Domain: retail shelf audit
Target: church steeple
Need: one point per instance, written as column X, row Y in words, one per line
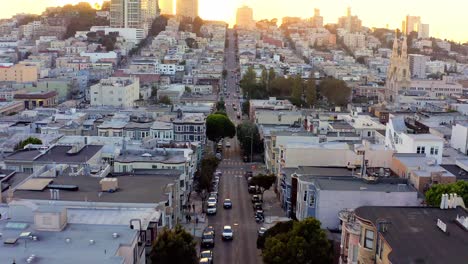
column 404, row 48
column 395, row 45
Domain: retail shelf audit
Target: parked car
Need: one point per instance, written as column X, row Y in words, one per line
column 207, row 254
column 214, row 194
column 210, row 229
column 208, row 240
column 256, row 199
column 205, row 261
column 252, row 189
column 211, row 210
column 257, row 206
column 259, row 213
column 227, row 204
column 262, row 231
column 228, row 144
column 228, row 234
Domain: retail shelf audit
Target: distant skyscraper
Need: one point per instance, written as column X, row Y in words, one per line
column 412, row 24
column 133, row 13
column 317, row 19
column 423, row 32
column 244, row 17
column 349, row 22
column 398, row 73
column 167, row 7
column 187, row 8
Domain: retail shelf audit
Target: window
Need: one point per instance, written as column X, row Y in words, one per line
column 312, row 199
column 434, row 150
column 379, row 248
column 369, row 239
column 305, row 196
column 420, row 150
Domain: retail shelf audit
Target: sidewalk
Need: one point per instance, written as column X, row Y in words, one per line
column 273, row 211
column 191, row 226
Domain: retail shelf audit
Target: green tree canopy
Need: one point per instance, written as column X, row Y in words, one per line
column 29, row 140
column 305, row 243
column 244, row 135
column 165, row 100
column 246, row 107
column 296, row 92
column 434, row 194
column 279, row 228
column 310, row 92
column 263, row 181
column 174, row 246
column 336, row 91
column 219, row 126
column 221, row 105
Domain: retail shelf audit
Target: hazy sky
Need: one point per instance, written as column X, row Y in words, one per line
column 447, row 20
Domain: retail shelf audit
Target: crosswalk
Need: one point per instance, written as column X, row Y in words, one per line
column 233, row 172
column 232, row 163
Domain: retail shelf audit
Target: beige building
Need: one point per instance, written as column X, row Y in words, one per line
column 19, row 73
column 167, row 7
column 244, row 17
column 115, row 91
column 187, row 8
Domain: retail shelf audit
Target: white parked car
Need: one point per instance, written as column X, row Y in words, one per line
column 228, row 234
column 228, row 144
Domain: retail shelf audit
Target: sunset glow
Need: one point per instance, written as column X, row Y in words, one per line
column 445, row 22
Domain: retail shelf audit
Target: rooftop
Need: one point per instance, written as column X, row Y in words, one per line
column 147, row 189
column 36, row 95
column 414, row 236
column 358, row 184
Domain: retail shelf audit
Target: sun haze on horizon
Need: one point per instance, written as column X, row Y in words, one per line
column 377, row 13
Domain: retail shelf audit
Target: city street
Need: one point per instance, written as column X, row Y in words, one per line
column 242, row 250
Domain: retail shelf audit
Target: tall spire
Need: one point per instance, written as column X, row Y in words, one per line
column 395, row 45
column 404, row 48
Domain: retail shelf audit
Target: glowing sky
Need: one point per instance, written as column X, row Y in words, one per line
column 447, row 19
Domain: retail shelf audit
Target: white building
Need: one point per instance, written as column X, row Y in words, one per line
column 447, row 87
column 399, row 138
column 354, row 40
column 418, row 65
column 97, row 56
column 115, row 91
column 459, row 139
column 423, row 31
column 134, row 35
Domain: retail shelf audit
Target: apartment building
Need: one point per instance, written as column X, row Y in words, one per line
column 20, row 73
column 115, row 91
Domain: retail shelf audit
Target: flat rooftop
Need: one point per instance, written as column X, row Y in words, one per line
column 132, row 189
column 357, row 184
column 415, row 237
column 52, row 248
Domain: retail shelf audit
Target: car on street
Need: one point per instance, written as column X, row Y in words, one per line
column 211, row 210
column 262, row 231
column 212, row 200
column 228, row 234
column 252, row 189
column 218, row 173
column 227, row 204
column 256, row 199
column 228, row 144
column 214, row 194
column 207, row 254
column 257, row 206
column 208, row 240
column 209, row 229
column 205, row 261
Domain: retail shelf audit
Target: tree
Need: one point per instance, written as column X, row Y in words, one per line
column 159, row 24
column 165, row 100
column 279, row 228
column 296, row 92
column 336, row 91
column 197, row 24
column 246, row 108
column 225, row 72
column 263, row 181
column 249, row 80
column 434, row 194
column 29, row 140
column 204, row 177
column 305, row 243
column 271, row 76
column 191, row 43
column 174, row 246
column 245, row 131
column 361, row 60
column 221, row 105
column 310, row 92
column 219, row 126
column 264, row 78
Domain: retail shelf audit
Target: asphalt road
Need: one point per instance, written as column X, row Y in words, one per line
column 242, row 249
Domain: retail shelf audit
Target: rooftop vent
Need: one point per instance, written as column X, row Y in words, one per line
column 68, row 240
column 31, row 258
column 115, row 235
column 91, row 242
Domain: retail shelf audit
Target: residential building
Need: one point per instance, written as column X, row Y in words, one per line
column 447, row 87
column 37, row 99
column 317, row 19
column 244, row 17
column 73, row 233
column 402, row 139
column 133, row 13
column 423, row 32
column 271, row 104
column 349, row 22
column 190, row 127
column 417, row 64
column 115, row 91
column 8, row 108
column 162, row 131
column 20, row 73
column 459, row 137
column 323, row 198
column 266, row 117
column 394, row 234
column 135, row 35
column 354, row 40
column 187, row 8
